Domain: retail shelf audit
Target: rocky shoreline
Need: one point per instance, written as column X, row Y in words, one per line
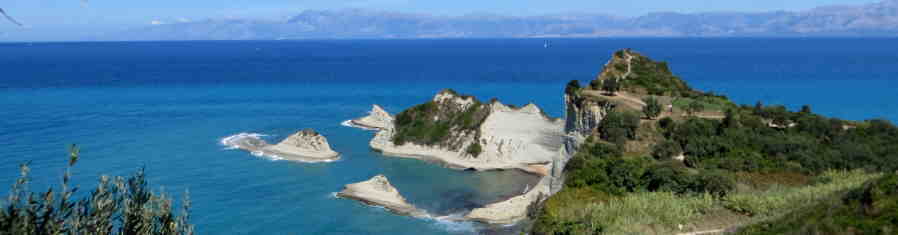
column 511, row 138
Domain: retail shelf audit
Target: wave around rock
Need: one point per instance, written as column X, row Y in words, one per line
column 304, row 146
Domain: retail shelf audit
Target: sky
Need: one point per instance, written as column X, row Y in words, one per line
column 48, row 19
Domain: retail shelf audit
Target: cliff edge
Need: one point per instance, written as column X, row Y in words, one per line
column 463, row 132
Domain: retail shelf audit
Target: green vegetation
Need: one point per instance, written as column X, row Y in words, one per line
column 744, row 142
column 871, row 209
column 612, row 86
column 474, row 149
column 756, row 164
column 647, row 76
column 639, row 213
column 432, row 123
column 619, row 126
column 116, row 206
column 652, row 108
column 780, row 198
column 707, row 101
column 666, row 150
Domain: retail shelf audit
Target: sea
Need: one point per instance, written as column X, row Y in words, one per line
column 166, row 107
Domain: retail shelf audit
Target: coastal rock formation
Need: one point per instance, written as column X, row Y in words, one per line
column 377, row 119
column 305, row 146
column 378, row 191
column 583, row 114
column 515, row 208
column 462, row 132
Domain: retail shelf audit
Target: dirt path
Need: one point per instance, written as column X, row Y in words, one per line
column 629, row 65
column 716, row 231
column 622, row 97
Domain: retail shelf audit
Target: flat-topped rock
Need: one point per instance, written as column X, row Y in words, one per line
column 377, row 119
column 378, row 191
column 305, row 146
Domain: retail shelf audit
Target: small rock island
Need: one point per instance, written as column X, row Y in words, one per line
column 379, row 192
column 377, row 119
column 304, row 146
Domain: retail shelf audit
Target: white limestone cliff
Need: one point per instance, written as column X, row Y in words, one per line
column 377, row 119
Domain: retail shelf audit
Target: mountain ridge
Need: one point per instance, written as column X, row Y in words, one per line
column 874, row 19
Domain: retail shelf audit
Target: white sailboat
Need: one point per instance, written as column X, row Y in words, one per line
column 546, row 44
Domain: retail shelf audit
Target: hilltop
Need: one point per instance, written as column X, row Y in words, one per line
column 707, row 164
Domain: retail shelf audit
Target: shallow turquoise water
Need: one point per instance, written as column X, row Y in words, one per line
column 166, row 105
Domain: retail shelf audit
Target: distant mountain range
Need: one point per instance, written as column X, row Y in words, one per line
column 876, row 19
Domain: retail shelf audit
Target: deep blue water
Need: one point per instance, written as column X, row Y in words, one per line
column 165, row 106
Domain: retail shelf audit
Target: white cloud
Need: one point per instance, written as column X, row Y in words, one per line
column 183, row 20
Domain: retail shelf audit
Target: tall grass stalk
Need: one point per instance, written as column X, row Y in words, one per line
column 778, row 200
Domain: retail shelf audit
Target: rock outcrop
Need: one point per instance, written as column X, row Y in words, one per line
column 377, row 119
column 305, row 146
column 583, row 114
column 378, row 191
column 477, row 136
column 463, row 133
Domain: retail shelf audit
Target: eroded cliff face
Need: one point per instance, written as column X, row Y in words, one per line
column 466, row 133
column 583, row 114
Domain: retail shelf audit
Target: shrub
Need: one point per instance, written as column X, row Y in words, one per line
column 474, row 149
column 611, row 85
column 652, row 108
column 666, row 123
column 116, row 206
column 695, row 107
column 666, row 150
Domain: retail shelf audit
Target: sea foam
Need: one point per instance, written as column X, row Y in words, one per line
column 230, row 142
column 348, row 123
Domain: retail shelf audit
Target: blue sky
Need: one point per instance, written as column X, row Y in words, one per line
column 50, row 18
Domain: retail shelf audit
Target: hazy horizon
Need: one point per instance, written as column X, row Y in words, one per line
column 75, row 20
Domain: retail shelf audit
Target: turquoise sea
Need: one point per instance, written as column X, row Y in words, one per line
column 165, row 106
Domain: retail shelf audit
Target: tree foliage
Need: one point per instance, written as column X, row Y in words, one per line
column 652, row 108
column 115, row 206
column 611, row 86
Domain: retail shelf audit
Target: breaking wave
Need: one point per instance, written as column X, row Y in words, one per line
column 348, row 123
column 232, row 142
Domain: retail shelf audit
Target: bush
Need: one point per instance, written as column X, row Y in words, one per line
column 695, row 107
column 627, row 122
column 652, row 108
column 474, row 149
column 116, row 206
column 611, row 85
column 666, row 123
column 666, row 150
